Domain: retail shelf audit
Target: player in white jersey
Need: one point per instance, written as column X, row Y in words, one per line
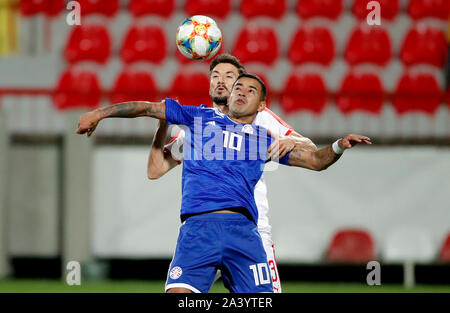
column 224, row 70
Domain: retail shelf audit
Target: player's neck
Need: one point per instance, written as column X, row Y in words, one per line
column 248, row 119
column 222, row 107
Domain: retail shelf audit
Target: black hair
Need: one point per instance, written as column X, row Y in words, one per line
column 227, row 58
column 263, row 86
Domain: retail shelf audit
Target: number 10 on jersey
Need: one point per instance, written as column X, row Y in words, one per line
column 260, row 273
column 232, row 140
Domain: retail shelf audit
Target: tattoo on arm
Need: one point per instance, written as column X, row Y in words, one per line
column 314, row 160
column 132, row 109
column 297, row 157
column 326, row 157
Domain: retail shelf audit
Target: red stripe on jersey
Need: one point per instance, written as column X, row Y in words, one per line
column 176, row 136
column 280, row 121
column 275, row 261
column 166, row 150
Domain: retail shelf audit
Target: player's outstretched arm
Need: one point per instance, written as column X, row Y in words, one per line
column 323, row 158
column 159, row 161
column 303, row 142
column 89, row 121
column 283, row 145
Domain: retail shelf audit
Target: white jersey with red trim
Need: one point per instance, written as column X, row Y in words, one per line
column 271, row 122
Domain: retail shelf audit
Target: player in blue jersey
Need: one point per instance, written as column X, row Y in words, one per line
column 212, row 236
column 223, row 72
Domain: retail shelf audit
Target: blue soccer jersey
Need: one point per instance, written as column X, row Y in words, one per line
column 223, row 160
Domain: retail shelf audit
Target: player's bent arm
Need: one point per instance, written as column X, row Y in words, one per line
column 89, row 121
column 314, row 160
column 159, row 161
column 321, row 159
column 286, row 144
column 303, row 142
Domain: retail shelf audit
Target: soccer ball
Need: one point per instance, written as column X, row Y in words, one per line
column 199, row 37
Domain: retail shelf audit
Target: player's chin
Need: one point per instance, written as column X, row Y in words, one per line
column 238, row 112
column 221, row 100
column 221, row 94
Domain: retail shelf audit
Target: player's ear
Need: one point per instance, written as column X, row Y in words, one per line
column 262, row 106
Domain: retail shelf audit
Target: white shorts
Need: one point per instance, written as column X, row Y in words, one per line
column 270, row 252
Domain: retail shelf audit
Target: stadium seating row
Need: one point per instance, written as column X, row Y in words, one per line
column 358, row 246
column 360, row 90
column 310, row 43
column 305, row 9
column 422, row 45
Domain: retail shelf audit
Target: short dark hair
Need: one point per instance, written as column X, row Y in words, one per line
column 263, row 86
column 227, row 58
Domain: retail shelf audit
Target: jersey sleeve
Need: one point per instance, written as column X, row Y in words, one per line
column 180, row 114
column 275, row 124
column 285, row 160
column 175, row 147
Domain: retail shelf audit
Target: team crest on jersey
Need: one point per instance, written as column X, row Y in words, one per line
column 175, row 272
column 248, row 129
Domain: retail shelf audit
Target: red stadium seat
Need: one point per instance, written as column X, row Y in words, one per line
column 361, row 91
column 312, row 44
column 191, row 88
column 424, row 44
column 48, row 7
column 133, row 85
column 163, row 8
column 444, row 254
column 102, row 7
column 144, row 43
column 270, row 8
column 31, row 7
column 418, row 9
column 304, row 92
column 351, row 246
column 324, row 8
column 77, row 89
column 88, row 43
column 256, row 44
column 368, row 44
column 417, row 92
column 213, row 8
column 389, row 8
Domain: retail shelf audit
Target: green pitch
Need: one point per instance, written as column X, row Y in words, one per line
column 27, row 285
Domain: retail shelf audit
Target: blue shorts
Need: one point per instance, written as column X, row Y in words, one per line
column 229, row 242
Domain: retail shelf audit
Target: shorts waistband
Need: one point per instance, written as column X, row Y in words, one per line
column 210, row 216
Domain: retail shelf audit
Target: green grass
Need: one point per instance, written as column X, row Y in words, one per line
column 125, row 286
